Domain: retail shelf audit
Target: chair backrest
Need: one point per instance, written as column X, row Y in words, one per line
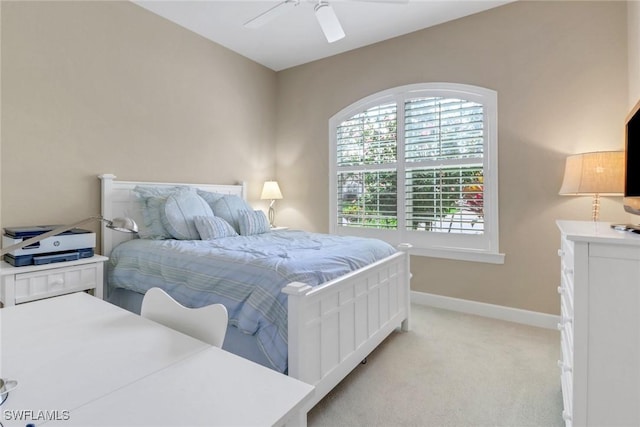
column 208, row 323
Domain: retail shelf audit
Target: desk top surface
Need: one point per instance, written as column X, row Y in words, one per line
column 80, row 354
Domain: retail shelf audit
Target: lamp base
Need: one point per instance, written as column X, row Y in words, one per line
column 272, row 216
column 595, row 207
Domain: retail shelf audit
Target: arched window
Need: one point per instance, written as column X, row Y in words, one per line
column 418, row 164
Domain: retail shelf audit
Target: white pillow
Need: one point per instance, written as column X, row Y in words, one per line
column 179, row 211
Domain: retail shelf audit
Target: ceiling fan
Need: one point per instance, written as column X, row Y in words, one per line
column 325, row 15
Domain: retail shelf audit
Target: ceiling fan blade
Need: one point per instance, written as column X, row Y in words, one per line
column 328, row 21
column 272, row 13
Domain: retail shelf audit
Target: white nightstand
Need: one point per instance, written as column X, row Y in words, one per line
column 33, row 282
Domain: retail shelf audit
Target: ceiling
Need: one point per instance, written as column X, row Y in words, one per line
column 295, row 37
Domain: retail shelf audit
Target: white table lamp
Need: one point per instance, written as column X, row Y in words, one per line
column 271, row 191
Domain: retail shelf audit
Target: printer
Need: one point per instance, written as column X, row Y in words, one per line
column 68, row 246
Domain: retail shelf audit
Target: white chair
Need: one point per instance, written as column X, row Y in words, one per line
column 208, row 323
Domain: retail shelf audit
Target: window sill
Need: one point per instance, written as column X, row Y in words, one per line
column 460, row 255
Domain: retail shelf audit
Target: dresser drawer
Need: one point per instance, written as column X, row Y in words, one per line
column 566, row 293
column 567, row 254
column 566, row 381
column 566, row 371
column 566, row 321
column 56, row 281
column 567, row 279
column 565, row 326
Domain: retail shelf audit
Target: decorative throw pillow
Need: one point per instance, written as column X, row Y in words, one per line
column 253, row 222
column 212, row 227
column 179, row 211
column 227, row 208
column 210, row 197
column 151, row 201
column 143, row 191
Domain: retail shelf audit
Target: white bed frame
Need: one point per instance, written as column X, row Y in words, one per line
column 332, row 327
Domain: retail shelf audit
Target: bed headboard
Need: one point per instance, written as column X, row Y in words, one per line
column 118, row 200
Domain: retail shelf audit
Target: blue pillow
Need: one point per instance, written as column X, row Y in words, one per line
column 227, row 208
column 210, row 197
column 179, row 211
column 153, row 219
column 253, row 222
column 212, row 227
column 143, row 191
column 152, row 200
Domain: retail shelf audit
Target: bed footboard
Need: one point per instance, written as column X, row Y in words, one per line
column 333, row 327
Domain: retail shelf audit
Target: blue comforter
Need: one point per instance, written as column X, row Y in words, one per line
column 245, row 273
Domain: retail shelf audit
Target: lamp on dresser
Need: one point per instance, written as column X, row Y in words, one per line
column 596, row 174
column 271, row 191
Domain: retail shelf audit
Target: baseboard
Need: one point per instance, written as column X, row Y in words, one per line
column 531, row 318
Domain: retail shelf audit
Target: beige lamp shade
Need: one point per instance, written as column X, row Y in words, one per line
column 594, row 173
column 271, row 191
column 599, row 174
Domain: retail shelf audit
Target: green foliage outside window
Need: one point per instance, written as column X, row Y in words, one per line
column 367, row 170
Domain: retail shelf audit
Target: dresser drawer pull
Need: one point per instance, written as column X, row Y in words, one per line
column 560, row 290
column 560, row 252
column 564, row 322
column 564, row 366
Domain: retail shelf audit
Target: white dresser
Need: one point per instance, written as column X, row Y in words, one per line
column 600, row 324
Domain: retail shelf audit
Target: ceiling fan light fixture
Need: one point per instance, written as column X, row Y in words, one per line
column 328, row 21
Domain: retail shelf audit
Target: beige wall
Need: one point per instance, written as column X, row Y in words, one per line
column 560, row 70
column 633, row 28
column 95, row 87
column 101, row 87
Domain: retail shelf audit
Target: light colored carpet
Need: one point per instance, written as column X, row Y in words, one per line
column 452, row 369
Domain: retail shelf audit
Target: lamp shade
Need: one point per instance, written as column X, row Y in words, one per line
column 271, row 191
column 125, row 225
column 594, row 173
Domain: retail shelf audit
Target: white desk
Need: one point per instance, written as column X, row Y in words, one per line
column 106, row 366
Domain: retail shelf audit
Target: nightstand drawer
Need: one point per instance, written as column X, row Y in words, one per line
column 33, row 282
column 57, row 281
